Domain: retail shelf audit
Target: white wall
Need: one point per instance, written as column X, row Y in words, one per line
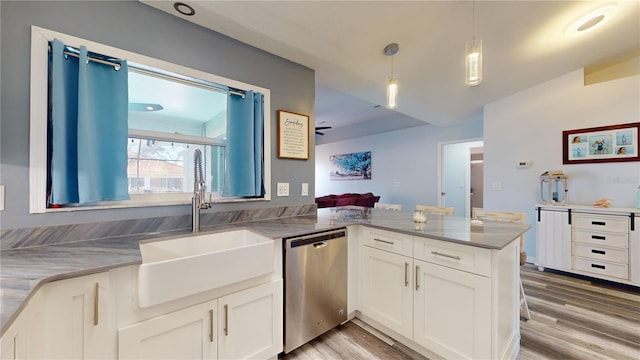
column 528, row 126
column 404, row 163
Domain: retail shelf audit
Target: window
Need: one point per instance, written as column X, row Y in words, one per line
column 173, row 110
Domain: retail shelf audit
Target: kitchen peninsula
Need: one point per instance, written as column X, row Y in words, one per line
column 480, row 257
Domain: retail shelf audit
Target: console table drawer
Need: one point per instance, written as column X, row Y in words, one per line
column 600, row 253
column 601, row 238
column 601, row 223
column 601, row 267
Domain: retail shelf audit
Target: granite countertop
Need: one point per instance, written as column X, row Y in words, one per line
column 23, row 271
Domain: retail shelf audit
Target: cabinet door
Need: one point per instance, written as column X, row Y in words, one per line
column 553, row 240
column 79, row 318
column 183, row 334
column 24, row 338
column 250, row 323
column 387, row 289
column 452, row 312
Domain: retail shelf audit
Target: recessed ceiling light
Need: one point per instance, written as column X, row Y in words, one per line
column 145, row 107
column 593, row 20
column 184, row 9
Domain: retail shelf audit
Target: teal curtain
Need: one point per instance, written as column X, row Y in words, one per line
column 89, row 129
column 245, row 173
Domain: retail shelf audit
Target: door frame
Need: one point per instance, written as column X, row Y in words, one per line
column 441, row 187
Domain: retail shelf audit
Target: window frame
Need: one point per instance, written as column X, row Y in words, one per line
column 40, row 38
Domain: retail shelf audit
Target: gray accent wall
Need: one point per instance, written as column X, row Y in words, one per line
column 136, row 27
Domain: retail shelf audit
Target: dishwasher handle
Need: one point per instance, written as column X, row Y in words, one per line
column 314, row 238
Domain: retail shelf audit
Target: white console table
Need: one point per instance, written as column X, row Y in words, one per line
column 598, row 242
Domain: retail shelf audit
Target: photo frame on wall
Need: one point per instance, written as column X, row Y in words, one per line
column 293, row 135
column 354, row 166
column 612, row 143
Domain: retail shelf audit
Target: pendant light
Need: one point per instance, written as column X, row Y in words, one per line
column 473, row 57
column 392, row 85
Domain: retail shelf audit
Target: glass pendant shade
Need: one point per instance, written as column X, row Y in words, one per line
column 473, row 62
column 392, row 93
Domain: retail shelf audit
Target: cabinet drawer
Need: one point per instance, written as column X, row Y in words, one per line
column 589, row 222
column 462, row 257
column 600, row 253
column 401, row 244
column 601, row 238
column 620, row 271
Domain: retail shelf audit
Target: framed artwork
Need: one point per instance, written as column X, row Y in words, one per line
column 355, row 166
column 601, row 144
column 293, row 135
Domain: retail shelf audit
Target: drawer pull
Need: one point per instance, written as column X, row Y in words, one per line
column 417, row 272
column 598, row 237
column 211, row 325
column 406, row 274
column 96, row 304
column 598, row 266
column 600, row 223
column 602, row 252
column 446, row 255
column 383, row 241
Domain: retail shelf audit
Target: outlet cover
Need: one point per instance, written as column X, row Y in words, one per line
column 305, row 189
column 283, row 189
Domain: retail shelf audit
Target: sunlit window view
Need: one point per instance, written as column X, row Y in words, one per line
column 168, row 119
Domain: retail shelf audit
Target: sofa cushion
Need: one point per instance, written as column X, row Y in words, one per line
column 325, row 202
column 364, row 200
column 345, row 201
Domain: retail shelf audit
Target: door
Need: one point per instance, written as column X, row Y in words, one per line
column 452, row 312
column 387, row 289
column 183, row 334
column 250, row 323
column 455, row 175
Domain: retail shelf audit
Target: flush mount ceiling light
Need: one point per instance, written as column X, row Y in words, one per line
column 593, row 20
column 145, row 107
column 184, row 9
column 473, row 57
column 392, row 85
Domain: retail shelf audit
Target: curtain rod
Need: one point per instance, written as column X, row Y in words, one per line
column 185, row 81
column 117, row 66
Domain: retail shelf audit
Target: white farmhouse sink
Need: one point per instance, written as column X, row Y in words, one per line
column 175, row 268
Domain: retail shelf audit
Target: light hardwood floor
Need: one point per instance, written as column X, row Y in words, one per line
column 572, row 318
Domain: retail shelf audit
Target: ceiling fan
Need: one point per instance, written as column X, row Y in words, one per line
column 321, row 128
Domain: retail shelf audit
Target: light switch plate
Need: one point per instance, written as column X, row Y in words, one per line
column 496, row 186
column 305, row 189
column 1, row 197
column 283, row 189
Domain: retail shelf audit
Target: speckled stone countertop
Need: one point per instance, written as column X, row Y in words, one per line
column 23, row 271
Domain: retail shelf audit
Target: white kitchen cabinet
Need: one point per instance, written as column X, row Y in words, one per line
column 553, row 239
column 79, row 318
column 24, row 338
column 250, row 323
column 441, row 298
column 452, row 312
column 386, row 280
column 245, row 324
column 184, row 334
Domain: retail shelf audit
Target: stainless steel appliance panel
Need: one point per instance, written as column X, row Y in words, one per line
column 315, row 286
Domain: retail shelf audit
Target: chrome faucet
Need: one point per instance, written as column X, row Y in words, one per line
column 198, row 200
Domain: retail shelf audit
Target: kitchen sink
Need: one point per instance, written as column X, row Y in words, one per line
column 178, row 267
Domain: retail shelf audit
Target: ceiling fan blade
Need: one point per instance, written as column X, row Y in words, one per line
column 319, row 133
column 322, row 127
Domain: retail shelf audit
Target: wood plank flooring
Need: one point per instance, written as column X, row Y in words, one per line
column 572, row 318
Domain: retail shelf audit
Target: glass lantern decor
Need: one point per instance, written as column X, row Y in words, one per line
column 553, row 188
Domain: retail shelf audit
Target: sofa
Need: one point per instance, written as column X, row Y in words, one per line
column 365, row 200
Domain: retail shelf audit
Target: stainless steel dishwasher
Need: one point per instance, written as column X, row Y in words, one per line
column 315, row 284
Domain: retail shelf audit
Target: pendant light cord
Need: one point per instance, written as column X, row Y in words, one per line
column 473, row 21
